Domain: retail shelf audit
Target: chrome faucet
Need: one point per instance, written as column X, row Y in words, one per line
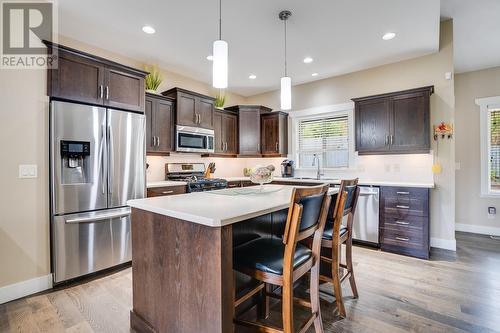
column 316, row 163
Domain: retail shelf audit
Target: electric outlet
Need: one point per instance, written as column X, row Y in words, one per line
column 28, row 171
column 492, row 211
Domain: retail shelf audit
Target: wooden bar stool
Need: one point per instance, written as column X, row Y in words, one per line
column 336, row 234
column 281, row 262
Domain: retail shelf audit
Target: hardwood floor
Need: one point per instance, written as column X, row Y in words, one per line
column 449, row 293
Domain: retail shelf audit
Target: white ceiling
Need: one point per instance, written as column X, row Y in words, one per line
column 342, row 36
column 476, row 32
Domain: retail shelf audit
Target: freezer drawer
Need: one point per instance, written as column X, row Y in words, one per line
column 89, row 242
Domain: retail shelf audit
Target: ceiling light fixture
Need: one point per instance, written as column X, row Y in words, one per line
column 308, row 60
column 286, row 81
column 252, row 76
column 389, row 36
column 210, row 58
column 220, row 58
column 314, row 74
column 148, row 29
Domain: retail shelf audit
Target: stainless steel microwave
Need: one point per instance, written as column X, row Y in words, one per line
column 194, row 139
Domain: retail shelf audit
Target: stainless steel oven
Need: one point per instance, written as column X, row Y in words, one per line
column 194, row 139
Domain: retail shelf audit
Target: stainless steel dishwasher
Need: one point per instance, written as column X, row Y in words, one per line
column 366, row 218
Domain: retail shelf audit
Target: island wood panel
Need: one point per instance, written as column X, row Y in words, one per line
column 182, row 275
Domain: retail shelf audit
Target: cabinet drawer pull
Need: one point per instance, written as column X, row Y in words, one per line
column 167, row 192
column 402, row 222
column 403, row 239
column 402, row 207
column 403, row 193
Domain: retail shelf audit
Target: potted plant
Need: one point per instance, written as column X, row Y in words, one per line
column 220, row 99
column 153, row 79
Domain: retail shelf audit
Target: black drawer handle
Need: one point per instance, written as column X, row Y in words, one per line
column 402, row 207
column 403, row 193
column 402, row 222
column 403, row 239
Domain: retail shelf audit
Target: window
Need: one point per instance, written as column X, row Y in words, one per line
column 326, row 137
column 490, row 145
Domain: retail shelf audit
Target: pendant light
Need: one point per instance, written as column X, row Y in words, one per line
column 286, row 81
column 220, row 58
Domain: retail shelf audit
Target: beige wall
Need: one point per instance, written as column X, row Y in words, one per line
column 471, row 209
column 24, row 218
column 427, row 70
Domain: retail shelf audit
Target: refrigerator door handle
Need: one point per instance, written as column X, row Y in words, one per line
column 111, row 159
column 99, row 217
column 102, row 171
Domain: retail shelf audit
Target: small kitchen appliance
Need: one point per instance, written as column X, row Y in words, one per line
column 287, row 170
column 194, row 175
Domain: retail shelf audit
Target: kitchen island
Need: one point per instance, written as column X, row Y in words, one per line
column 182, row 249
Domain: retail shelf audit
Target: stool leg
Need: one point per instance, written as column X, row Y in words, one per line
column 264, row 303
column 314, row 293
column 287, row 305
column 350, row 267
column 336, row 279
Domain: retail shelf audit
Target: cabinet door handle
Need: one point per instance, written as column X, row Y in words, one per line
column 158, row 142
column 403, row 193
column 167, row 192
column 386, row 140
column 404, row 239
column 392, row 139
column 258, row 147
column 402, row 207
column 402, row 222
column 107, row 92
column 225, row 145
column 101, row 91
column 277, row 146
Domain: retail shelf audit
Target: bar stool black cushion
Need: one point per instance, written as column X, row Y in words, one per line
column 328, row 232
column 266, row 255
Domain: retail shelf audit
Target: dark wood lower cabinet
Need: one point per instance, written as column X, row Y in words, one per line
column 404, row 221
column 166, row 190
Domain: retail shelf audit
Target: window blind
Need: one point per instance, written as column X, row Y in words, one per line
column 494, row 152
column 327, row 138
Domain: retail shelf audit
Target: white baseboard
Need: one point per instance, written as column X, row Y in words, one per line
column 25, row 288
column 477, row 229
column 445, row 244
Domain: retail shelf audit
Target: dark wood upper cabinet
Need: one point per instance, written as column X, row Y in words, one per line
column 159, row 125
column 82, row 77
column 226, row 133
column 249, row 138
column 394, row 123
column 192, row 109
column 274, row 134
column 123, row 90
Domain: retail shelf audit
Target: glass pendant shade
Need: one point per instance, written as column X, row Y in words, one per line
column 286, row 93
column 220, row 64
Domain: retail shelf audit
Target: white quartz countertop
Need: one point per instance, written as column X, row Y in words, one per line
column 221, row 207
column 163, row 183
column 337, row 181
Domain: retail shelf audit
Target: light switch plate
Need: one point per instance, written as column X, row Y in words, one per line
column 28, row 171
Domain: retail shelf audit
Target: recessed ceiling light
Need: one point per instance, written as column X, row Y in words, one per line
column 314, row 74
column 308, row 60
column 252, row 76
column 210, row 58
column 389, row 36
column 148, row 29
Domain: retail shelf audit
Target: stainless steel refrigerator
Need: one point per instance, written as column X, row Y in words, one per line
column 97, row 163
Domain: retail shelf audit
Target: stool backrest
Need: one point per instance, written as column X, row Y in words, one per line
column 351, row 188
column 307, row 212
